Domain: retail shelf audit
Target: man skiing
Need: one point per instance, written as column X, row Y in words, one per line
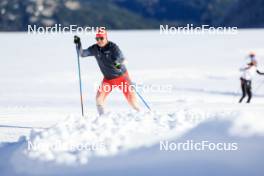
column 111, row 63
column 248, row 74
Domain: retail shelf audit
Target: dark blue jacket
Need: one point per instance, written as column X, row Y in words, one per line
column 107, row 57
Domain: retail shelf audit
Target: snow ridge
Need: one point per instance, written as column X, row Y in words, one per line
column 78, row 139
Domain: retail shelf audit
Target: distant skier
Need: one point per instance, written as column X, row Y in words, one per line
column 248, row 74
column 111, row 63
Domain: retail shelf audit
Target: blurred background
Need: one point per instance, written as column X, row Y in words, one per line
column 15, row 15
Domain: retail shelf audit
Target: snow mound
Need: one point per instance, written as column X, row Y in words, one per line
column 78, row 139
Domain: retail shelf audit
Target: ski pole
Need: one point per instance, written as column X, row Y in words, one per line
column 142, row 99
column 138, row 94
column 80, row 78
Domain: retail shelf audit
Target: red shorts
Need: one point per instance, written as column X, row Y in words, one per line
column 122, row 82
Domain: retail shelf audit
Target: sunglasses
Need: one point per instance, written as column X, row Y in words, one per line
column 99, row 38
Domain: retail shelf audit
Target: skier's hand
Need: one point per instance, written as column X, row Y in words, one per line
column 118, row 65
column 77, row 39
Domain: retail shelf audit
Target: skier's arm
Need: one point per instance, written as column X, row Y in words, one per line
column 244, row 69
column 260, row 73
column 83, row 53
column 118, row 57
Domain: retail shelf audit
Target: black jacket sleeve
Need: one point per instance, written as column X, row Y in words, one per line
column 85, row 52
column 118, row 56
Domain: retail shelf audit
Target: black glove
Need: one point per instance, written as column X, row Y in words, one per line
column 77, row 39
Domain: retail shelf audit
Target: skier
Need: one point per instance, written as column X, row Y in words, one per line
column 111, row 63
column 247, row 75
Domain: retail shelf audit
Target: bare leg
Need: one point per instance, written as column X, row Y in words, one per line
column 131, row 98
column 101, row 95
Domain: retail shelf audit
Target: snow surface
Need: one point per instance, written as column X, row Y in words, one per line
column 40, row 104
